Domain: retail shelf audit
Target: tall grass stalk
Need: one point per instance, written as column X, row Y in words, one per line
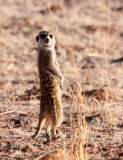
column 80, row 139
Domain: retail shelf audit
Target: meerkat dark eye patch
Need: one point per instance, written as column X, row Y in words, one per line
column 37, row 38
column 43, row 35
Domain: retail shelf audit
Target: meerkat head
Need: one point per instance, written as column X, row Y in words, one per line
column 45, row 40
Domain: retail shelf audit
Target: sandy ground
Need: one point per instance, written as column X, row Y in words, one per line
column 92, row 32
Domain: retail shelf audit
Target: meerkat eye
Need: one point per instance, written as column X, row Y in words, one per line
column 43, row 36
column 51, row 36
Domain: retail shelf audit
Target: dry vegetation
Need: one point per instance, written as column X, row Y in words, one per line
column 90, row 52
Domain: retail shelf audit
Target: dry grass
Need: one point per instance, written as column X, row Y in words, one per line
column 89, row 48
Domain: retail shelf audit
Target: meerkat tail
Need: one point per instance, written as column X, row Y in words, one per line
column 40, row 125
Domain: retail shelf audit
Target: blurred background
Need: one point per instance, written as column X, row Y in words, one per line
column 91, row 31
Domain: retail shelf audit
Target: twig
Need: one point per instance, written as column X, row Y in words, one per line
column 39, row 157
column 12, row 111
column 7, row 112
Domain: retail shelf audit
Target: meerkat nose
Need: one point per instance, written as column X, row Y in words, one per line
column 47, row 40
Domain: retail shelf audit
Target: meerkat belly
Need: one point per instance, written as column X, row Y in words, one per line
column 50, row 96
column 50, row 89
column 49, row 84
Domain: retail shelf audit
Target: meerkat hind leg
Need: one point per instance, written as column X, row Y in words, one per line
column 48, row 133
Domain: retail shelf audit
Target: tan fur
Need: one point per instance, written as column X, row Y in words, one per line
column 51, row 81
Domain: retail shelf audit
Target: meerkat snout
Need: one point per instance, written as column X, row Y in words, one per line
column 47, row 40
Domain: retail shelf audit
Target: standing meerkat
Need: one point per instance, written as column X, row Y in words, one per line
column 51, row 82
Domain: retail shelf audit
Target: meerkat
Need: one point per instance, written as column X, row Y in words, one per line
column 51, row 83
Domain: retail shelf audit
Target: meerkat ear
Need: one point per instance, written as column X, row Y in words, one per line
column 37, row 38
